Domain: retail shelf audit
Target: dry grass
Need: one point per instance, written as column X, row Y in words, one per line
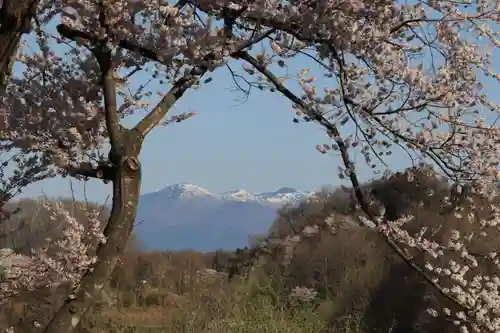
column 179, row 301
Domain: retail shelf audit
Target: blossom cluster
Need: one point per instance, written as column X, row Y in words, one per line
column 62, row 260
column 464, row 267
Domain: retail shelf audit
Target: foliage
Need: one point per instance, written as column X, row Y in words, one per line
column 358, row 283
column 152, row 301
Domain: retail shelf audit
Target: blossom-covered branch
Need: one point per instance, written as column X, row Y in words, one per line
column 335, row 134
column 333, row 131
column 159, row 112
column 62, row 260
column 91, row 38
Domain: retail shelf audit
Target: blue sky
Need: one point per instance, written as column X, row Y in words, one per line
column 255, row 146
column 227, row 146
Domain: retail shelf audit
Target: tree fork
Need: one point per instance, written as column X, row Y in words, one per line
column 126, row 190
column 125, row 172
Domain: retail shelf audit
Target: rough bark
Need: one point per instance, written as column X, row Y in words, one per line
column 15, row 20
column 126, row 189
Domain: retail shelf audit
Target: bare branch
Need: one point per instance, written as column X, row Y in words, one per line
column 156, row 115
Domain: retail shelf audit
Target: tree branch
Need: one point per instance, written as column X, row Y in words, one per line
column 73, row 34
column 15, row 20
column 333, row 131
column 180, row 87
column 335, row 135
column 177, row 91
column 156, row 115
column 102, row 171
column 103, row 57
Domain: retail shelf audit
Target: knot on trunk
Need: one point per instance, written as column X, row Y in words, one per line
column 132, row 163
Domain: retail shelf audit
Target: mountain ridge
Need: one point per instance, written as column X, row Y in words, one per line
column 186, row 216
column 186, row 190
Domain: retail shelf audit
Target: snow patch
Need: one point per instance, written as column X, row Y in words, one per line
column 239, row 195
column 276, row 198
column 284, row 195
column 184, row 191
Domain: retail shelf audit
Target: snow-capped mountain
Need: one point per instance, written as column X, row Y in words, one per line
column 283, row 195
column 278, row 197
column 239, row 195
column 183, row 191
column 186, row 216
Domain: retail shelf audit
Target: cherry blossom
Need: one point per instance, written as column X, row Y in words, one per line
column 63, row 260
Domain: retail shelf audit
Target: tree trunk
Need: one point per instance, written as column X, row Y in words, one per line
column 15, row 20
column 126, row 189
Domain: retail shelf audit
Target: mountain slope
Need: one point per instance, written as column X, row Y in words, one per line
column 277, row 198
column 186, row 216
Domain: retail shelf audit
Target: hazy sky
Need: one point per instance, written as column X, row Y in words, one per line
column 226, row 146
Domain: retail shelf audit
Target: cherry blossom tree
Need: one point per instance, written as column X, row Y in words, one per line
column 410, row 77
column 388, row 76
column 60, row 117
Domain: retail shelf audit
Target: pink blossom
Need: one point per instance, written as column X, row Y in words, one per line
column 64, row 259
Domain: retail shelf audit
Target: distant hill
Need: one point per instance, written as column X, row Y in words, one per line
column 186, row 216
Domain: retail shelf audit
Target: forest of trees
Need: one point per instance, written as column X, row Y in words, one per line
column 359, row 283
